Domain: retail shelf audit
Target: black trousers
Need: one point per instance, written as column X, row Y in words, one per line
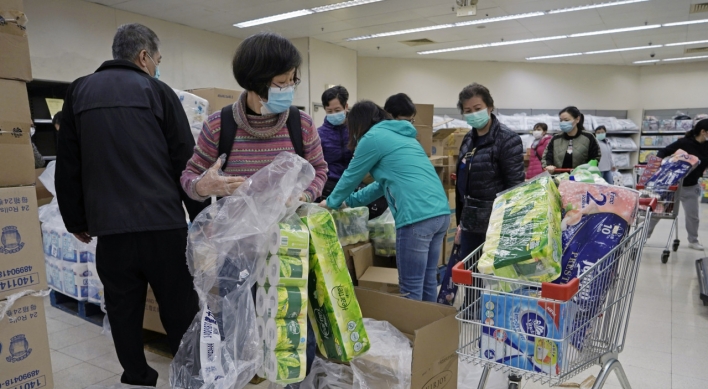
column 126, row 264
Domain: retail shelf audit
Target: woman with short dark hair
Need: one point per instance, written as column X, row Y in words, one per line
column 266, row 65
column 334, row 135
column 573, row 146
column 389, row 151
column 401, row 107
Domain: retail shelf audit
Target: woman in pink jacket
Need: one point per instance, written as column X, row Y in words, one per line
column 541, row 139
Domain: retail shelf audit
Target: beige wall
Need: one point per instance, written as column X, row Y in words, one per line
column 674, row 86
column 71, row 38
column 513, row 85
column 330, row 64
column 302, row 93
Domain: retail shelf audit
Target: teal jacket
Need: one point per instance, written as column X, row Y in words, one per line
column 403, row 173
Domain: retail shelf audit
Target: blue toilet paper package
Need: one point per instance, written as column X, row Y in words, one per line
column 528, row 333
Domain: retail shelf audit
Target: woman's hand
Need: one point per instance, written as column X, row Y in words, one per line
column 550, row 169
column 323, row 204
column 458, row 235
column 213, row 184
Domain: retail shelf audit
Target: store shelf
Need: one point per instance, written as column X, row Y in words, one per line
column 652, row 148
column 663, row 132
column 42, row 121
column 623, row 150
column 623, row 132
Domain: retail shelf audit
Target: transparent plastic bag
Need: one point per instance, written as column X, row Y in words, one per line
column 351, row 225
column 328, row 375
column 222, row 347
column 388, row 362
column 382, row 232
column 196, row 109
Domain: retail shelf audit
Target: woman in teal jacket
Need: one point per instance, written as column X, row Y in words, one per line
column 388, row 150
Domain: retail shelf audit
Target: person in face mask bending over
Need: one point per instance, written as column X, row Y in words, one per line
column 258, row 126
column 491, row 160
column 335, row 136
column 573, row 146
column 540, row 141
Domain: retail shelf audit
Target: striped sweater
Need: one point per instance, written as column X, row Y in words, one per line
column 259, row 139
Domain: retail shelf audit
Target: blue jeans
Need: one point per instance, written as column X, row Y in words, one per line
column 418, row 248
column 608, row 176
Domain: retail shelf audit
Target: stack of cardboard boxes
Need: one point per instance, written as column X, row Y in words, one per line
column 24, row 344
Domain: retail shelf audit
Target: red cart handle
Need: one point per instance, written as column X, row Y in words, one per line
column 649, row 203
column 561, row 171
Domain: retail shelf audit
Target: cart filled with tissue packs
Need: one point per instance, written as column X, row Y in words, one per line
column 550, row 332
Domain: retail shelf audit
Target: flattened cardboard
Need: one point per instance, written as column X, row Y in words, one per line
column 24, row 359
column 14, row 46
column 431, row 327
column 44, row 197
column 21, row 252
column 151, row 320
column 218, row 98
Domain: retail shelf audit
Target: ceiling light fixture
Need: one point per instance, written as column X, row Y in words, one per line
column 554, row 56
column 615, row 30
column 494, row 44
column 686, row 23
column 625, row 49
column 685, row 43
column 495, row 19
column 648, row 61
column 684, row 58
column 304, row 12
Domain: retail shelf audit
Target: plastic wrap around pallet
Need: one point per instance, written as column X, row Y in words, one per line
column 222, row 349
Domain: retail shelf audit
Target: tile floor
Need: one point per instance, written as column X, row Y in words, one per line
column 666, row 348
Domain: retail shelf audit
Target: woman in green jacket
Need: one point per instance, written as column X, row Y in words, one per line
column 388, row 150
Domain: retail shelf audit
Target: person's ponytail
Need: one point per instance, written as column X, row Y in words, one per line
column 581, row 128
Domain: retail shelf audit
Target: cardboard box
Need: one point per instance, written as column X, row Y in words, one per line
column 44, row 197
column 425, row 137
column 454, row 141
column 25, row 361
column 151, row 320
column 440, row 140
column 424, row 114
column 431, row 327
column 373, row 277
column 21, row 251
column 350, row 251
column 16, row 158
column 218, row 98
column 14, row 47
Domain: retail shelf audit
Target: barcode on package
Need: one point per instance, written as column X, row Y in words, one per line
column 283, row 240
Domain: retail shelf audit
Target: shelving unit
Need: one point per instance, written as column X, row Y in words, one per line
column 659, row 133
column 45, row 137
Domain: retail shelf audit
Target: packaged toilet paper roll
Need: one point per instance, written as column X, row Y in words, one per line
column 261, row 272
column 265, row 306
column 271, row 303
column 287, row 270
column 291, row 239
column 288, row 335
column 291, row 301
column 286, row 367
column 260, row 327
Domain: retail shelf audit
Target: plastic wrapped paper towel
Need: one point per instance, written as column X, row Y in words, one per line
column 196, row 109
column 223, row 348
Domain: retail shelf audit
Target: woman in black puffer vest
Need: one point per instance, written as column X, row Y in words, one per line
column 491, row 160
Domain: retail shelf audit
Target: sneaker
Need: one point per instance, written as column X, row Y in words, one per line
column 696, row 246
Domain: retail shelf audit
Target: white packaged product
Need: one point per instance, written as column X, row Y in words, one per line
column 196, row 109
column 627, row 125
column 622, row 143
column 621, row 160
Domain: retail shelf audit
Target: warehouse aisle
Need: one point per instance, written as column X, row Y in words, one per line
column 667, row 336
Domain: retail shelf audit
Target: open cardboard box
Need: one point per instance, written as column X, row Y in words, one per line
column 151, row 320
column 432, row 329
column 440, row 140
column 373, row 277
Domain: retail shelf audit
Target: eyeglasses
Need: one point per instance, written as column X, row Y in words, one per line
column 295, row 83
column 411, row 120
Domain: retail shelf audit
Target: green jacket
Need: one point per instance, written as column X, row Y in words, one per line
column 585, row 149
column 403, row 173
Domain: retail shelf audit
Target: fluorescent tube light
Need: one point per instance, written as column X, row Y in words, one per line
column 684, row 58
column 554, row 56
column 592, row 6
column 496, row 19
column 345, row 4
column 615, row 30
column 647, row 61
column 274, row 18
column 494, row 44
column 454, row 49
column 685, row 43
column 625, row 49
column 685, row 23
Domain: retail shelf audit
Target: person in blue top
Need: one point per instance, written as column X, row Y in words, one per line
column 335, row 135
column 388, row 150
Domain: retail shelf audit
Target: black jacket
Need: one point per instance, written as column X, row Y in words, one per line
column 498, row 164
column 690, row 145
column 123, row 144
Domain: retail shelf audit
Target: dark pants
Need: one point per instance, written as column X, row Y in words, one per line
column 126, row 264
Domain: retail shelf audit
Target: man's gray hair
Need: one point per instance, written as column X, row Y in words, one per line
column 131, row 39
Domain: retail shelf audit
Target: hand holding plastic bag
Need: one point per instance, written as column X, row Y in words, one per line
column 213, row 183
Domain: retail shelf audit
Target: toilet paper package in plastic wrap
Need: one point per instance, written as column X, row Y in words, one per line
column 196, row 109
column 351, row 225
column 223, row 347
column 596, row 219
column 523, row 238
column 382, row 231
column 672, row 170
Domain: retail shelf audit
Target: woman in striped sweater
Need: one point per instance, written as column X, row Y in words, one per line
column 266, row 66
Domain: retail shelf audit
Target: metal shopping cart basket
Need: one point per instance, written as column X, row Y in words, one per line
column 667, row 207
column 506, row 324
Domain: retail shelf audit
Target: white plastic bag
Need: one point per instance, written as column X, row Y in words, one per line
column 222, row 348
column 328, row 375
column 387, row 365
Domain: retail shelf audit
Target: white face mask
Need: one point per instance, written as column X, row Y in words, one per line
column 538, row 134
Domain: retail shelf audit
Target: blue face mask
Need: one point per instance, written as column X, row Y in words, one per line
column 477, row 119
column 336, row 118
column 157, row 68
column 567, row 126
column 600, row 136
column 279, row 100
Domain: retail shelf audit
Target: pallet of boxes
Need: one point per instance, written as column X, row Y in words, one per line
column 24, row 345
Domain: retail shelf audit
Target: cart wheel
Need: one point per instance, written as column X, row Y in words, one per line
column 676, row 244
column 665, row 256
column 514, row 381
column 514, row 385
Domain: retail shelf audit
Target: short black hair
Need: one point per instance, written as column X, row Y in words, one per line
column 131, row 39
column 336, row 92
column 542, row 126
column 57, row 118
column 261, row 57
column 603, row 128
column 364, row 115
column 472, row 90
column 400, row 105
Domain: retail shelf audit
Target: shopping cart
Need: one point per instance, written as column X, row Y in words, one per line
column 591, row 312
column 667, row 208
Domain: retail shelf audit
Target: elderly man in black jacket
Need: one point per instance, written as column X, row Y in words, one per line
column 123, row 144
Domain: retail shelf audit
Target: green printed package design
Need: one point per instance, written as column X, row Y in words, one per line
column 333, row 309
column 287, row 334
column 286, row 270
column 292, row 301
column 294, row 238
column 351, row 224
column 286, row 367
column 524, row 236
